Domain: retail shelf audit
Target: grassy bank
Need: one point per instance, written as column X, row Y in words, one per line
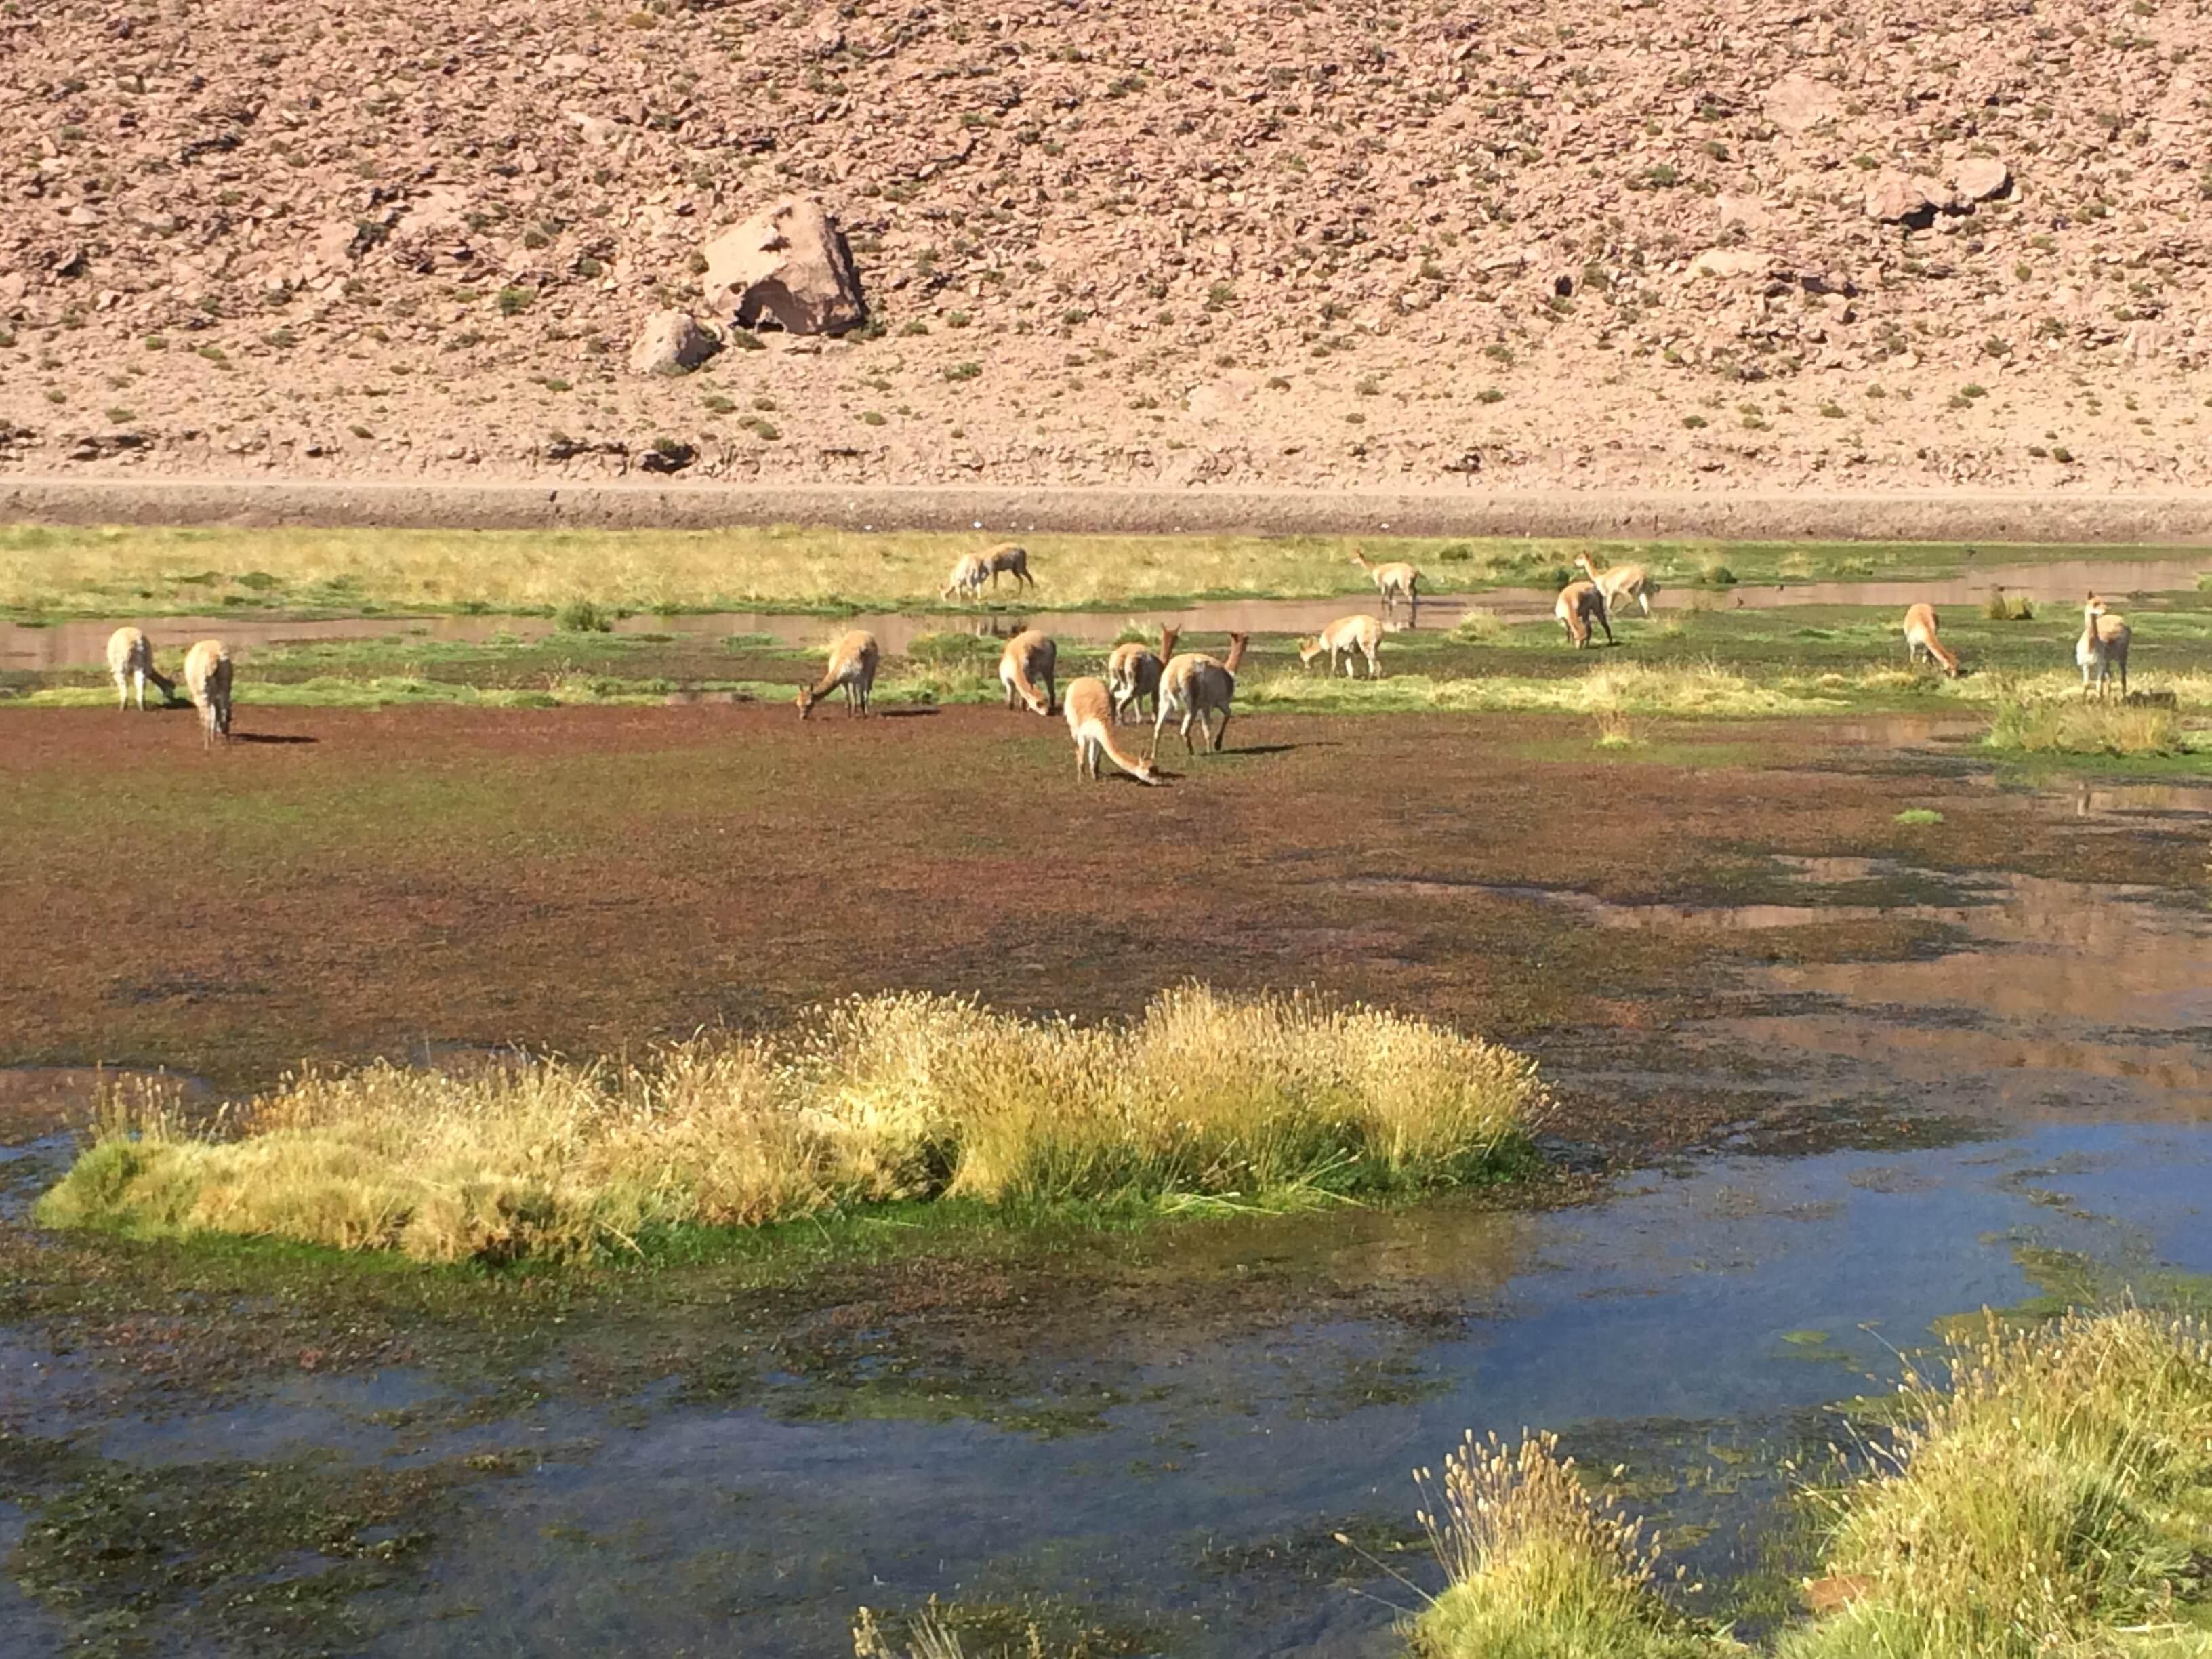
column 1203, row 1101
column 2053, row 1496
column 56, row 571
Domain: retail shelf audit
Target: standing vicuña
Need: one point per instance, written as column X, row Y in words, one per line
column 1196, row 687
column 207, row 678
column 1132, row 673
column 1091, row 718
column 1010, row 560
column 1579, row 604
column 1393, row 581
column 130, row 660
column 2102, row 648
column 1345, row 637
column 1920, row 636
column 1619, row 581
column 969, row 571
column 1030, row 657
column 852, row 665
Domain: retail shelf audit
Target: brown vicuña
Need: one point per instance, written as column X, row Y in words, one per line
column 1008, row 559
column 1920, row 637
column 1029, row 658
column 207, row 679
column 1579, row 604
column 130, row 660
column 1619, row 581
column 1197, row 687
column 1349, row 637
column 1393, row 581
column 2102, row 648
column 1132, row 673
column 1090, row 719
column 852, row 665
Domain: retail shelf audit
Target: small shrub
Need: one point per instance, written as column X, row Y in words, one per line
column 1919, row 814
column 1490, row 394
column 514, row 301
column 1695, row 421
column 1714, row 574
column 965, row 371
column 582, row 616
column 2072, row 727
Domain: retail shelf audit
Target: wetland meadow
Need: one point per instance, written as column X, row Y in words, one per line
column 1684, row 1148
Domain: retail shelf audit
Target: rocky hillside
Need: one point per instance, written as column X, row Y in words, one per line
column 1888, row 244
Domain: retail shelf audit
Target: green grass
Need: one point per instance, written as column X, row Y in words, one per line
column 1206, row 1102
column 1919, row 816
column 2051, row 1500
column 2072, row 726
column 150, row 571
column 1536, row 1568
column 2051, row 1496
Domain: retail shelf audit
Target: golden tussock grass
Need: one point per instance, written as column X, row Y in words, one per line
column 1205, row 1100
column 1535, row 1567
column 1680, row 691
column 2051, row 1500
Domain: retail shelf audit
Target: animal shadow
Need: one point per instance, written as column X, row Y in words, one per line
column 273, row 736
column 914, row 712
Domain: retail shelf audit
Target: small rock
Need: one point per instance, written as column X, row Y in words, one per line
column 788, row 267
column 2144, row 339
column 672, row 342
column 1745, row 210
column 1981, row 180
column 1797, row 103
column 1730, row 261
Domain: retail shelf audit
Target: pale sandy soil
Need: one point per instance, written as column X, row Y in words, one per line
column 1571, row 246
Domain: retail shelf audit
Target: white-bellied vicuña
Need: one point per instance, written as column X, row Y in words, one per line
column 207, row 678
column 1132, row 673
column 1196, row 687
column 1393, row 581
column 1090, row 720
column 969, row 572
column 1920, row 636
column 1029, row 659
column 1578, row 605
column 1345, row 637
column 2102, row 648
column 1009, row 559
column 852, row 665
column 1619, row 581
column 130, row 660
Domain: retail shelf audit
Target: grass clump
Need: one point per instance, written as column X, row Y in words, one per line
column 2002, row 607
column 1536, row 1567
column 583, row 617
column 2050, row 1500
column 1205, row 1101
column 2074, row 727
column 1919, row 814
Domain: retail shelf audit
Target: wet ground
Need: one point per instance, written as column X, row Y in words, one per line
column 1825, row 1080
column 78, row 645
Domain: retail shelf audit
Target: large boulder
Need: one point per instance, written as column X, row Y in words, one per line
column 1896, row 199
column 789, row 268
column 671, row 344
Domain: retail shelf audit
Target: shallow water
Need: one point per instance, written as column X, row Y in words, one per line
column 1693, row 1328
column 82, row 645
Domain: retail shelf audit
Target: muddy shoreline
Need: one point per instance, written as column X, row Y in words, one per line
column 1474, row 510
